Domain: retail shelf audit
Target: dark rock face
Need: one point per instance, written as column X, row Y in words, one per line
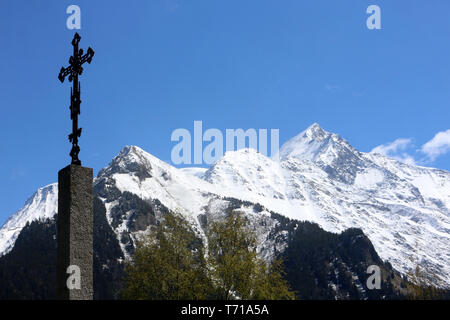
column 324, row 265
column 105, row 188
column 137, row 214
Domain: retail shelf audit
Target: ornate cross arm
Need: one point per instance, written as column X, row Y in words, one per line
column 63, row 73
column 76, row 61
column 88, row 56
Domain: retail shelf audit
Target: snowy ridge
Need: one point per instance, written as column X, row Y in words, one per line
column 403, row 209
column 138, row 172
column 41, row 205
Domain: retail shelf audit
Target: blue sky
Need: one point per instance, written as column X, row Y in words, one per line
column 161, row 64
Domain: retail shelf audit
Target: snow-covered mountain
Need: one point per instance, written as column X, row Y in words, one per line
column 403, row 209
column 41, row 205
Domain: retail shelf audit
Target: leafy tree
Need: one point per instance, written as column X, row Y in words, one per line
column 168, row 265
column 271, row 284
column 236, row 268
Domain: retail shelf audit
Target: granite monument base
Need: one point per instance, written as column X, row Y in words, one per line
column 74, row 266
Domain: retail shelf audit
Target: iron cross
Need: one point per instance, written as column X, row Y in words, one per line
column 73, row 71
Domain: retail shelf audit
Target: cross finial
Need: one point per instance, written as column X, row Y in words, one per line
column 73, row 71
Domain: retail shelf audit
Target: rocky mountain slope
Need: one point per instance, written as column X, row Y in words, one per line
column 404, row 210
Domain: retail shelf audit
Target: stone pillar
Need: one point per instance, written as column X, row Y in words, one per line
column 75, row 233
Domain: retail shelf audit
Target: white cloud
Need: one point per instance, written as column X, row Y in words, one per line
column 392, row 147
column 439, row 145
column 396, row 150
column 406, row 158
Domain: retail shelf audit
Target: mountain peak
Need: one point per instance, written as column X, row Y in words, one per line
column 315, row 131
column 131, row 159
column 307, row 144
column 328, row 150
column 130, row 150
